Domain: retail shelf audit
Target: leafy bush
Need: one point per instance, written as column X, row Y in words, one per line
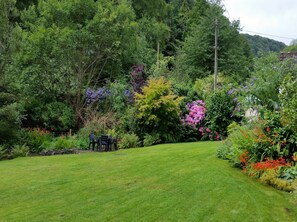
column 62, row 143
column 225, row 150
column 220, row 108
column 8, row 134
column 288, row 100
column 187, row 133
column 128, row 122
column 20, row 151
column 98, row 123
column 240, row 140
column 271, row 177
column 58, row 116
column 2, row 153
column 158, row 109
column 129, row 141
column 289, row 173
column 150, row 140
column 35, row 138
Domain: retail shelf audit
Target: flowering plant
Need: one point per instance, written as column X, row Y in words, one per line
column 196, row 113
column 207, row 133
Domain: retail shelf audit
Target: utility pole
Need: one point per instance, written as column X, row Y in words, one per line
column 216, row 56
column 158, row 58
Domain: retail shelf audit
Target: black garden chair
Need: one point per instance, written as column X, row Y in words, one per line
column 104, row 143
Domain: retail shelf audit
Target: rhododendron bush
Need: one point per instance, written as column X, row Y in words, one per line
column 196, row 113
column 195, row 118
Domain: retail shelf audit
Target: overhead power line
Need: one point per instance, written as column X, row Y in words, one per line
column 282, row 37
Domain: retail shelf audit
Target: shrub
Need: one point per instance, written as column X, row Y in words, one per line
column 2, row 153
column 63, row 142
column 128, row 122
column 158, row 109
column 8, row 135
column 288, row 99
column 271, row 177
column 289, row 173
column 98, row 123
column 208, row 134
column 225, row 150
column 20, row 151
column 196, row 113
column 188, row 134
column 129, row 141
column 58, row 116
column 258, row 168
column 113, row 97
column 151, row 139
column 266, row 80
column 220, row 114
column 35, row 138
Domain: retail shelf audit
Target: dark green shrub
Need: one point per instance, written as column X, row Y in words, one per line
column 220, row 108
column 187, row 133
column 58, row 116
column 8, row 134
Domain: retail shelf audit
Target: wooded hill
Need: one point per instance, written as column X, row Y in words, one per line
column 260, row 45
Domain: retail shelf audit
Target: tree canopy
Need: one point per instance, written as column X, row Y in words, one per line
column 52, row 51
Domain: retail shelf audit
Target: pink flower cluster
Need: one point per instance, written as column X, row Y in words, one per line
column 207, row 132
column 196, row 113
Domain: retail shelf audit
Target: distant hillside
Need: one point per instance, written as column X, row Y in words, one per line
column 261, row 44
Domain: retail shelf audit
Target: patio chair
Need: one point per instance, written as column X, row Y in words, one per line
column 104, row 143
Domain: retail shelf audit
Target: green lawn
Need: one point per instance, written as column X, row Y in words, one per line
column 172, row 182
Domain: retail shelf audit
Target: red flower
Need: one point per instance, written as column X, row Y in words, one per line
column 268, row 129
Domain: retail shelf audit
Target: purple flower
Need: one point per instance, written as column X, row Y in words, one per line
column 230, row 92
column 94, row 96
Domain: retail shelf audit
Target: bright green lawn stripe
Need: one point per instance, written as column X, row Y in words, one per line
column 171, row 182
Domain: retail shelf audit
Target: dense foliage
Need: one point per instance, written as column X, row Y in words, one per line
column 265, row 144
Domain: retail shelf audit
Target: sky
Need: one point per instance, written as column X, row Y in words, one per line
column 275, row 18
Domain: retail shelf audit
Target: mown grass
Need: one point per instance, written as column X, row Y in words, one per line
column 172, row 182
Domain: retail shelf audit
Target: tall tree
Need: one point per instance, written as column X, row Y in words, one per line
column 70, row 45
column 196, row 56
column 10, row 115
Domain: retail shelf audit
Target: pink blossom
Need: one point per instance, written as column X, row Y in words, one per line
column 196, row 113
